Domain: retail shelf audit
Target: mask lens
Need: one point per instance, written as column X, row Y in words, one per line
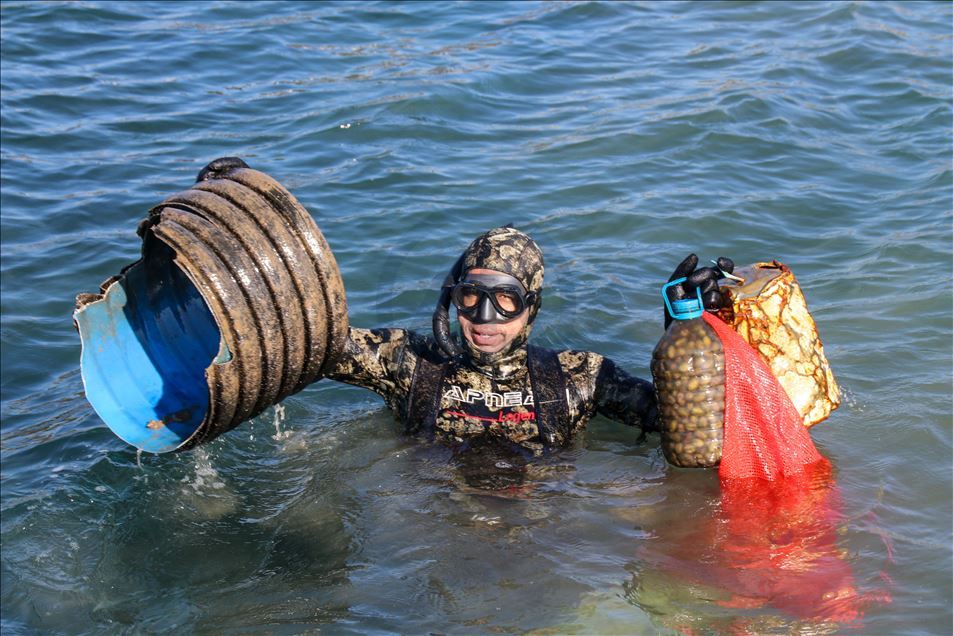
column 468, row 297
column 508, row 301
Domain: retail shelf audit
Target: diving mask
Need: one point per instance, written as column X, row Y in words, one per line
column 491, row 298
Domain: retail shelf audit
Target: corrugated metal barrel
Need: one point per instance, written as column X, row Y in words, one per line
column 236, row 303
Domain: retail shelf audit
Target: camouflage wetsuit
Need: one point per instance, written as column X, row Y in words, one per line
column 462, row 394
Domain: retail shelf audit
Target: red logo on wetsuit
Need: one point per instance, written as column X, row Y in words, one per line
column 491, row 402
column 501, row 416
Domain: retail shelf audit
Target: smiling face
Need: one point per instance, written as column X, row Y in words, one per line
column 491, row 337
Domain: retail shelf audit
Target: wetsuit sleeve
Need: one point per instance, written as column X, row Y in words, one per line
column 373, row 359
column 625, row 398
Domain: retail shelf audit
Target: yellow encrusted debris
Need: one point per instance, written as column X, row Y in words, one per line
column 769, row 311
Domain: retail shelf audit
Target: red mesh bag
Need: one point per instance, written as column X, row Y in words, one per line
column 780, row 504
column 771, row 546
column 764, row 436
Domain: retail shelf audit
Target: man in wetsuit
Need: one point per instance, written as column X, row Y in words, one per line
column 495, row 386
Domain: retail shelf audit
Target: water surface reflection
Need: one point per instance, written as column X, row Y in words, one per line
column 747, row 556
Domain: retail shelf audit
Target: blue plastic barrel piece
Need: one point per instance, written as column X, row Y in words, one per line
column 146, row 345
column 236, row 303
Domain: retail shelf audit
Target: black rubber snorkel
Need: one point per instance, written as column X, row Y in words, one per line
column 441, row 315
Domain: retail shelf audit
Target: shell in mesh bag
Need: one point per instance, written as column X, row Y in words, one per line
column 764, row 436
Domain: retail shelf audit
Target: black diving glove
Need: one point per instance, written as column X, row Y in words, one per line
column 704, row 278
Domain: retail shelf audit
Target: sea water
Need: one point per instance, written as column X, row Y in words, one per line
column 621, row 136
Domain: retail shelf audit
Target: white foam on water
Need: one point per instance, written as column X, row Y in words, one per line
column 279, row 417
column 205, row 492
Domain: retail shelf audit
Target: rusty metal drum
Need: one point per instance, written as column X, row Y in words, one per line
column 235, row 304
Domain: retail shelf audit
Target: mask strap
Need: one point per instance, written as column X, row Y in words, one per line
column 534, row 300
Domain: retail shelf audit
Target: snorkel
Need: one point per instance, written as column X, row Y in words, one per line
column 441, row 315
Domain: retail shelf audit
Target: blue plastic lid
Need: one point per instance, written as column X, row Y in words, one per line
column 684, row 309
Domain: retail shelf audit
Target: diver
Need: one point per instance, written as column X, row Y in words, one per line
column 493, row 386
